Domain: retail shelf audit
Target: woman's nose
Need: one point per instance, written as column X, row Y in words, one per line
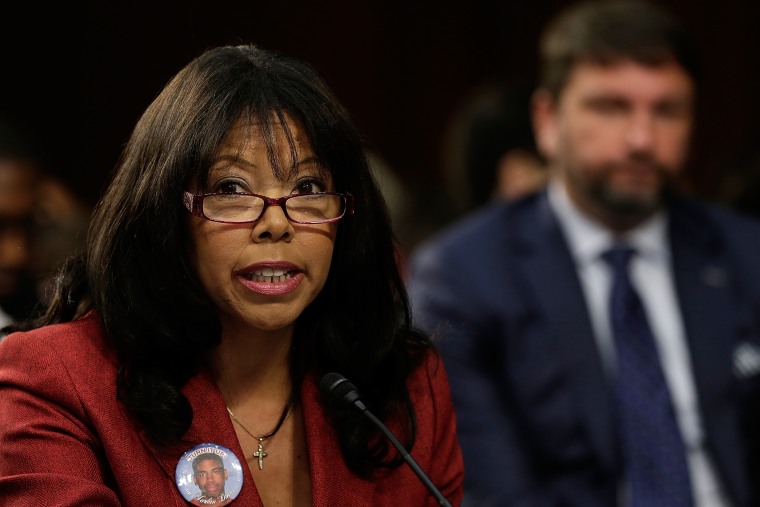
column 273, row 224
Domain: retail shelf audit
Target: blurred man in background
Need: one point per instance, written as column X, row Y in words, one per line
column 602, row 337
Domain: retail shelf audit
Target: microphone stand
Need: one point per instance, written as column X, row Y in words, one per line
column 408, row 458
column 339, row 389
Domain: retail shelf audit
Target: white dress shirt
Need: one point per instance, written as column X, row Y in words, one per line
column 652, row 276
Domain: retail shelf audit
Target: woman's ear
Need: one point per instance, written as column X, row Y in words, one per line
column 544, row 117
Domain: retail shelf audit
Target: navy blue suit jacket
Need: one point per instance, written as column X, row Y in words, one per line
column 500, row 293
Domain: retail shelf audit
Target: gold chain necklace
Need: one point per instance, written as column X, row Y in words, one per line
column 260, row 454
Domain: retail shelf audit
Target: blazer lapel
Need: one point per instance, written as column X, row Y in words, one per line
column 211, row 424
column 331, row 481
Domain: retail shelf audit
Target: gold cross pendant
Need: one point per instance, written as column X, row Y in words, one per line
column 260, row 454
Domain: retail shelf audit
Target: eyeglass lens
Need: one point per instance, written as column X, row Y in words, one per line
column 248, row 208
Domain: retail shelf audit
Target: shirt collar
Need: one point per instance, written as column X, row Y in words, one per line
column 587, row 238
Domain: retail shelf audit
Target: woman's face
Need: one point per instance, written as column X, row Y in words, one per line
column 262, row 275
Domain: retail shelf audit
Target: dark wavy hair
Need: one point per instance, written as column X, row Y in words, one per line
column 137, row 275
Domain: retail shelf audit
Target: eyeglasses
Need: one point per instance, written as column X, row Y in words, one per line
column 240, row 208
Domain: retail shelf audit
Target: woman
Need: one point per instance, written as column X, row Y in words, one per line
column 241, row 252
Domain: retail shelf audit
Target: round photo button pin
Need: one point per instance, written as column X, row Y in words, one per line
column 209, row 474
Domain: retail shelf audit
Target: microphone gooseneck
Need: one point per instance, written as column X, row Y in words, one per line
column 341, row 392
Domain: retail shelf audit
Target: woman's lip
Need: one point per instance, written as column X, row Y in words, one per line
column 272, row 288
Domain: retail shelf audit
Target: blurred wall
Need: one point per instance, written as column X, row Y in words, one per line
column 79, row 77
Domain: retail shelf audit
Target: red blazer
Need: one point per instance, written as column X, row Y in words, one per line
column 65, row 440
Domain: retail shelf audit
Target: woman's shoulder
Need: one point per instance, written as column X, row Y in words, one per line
column 88, row 327
column 73, row 346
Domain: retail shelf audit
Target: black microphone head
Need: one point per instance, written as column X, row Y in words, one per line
column 340, row 391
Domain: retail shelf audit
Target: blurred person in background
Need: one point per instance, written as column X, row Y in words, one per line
column 61, row 218
column 489, row 150
column 488, row 153
column 602, row 337
column 42, row 222
column 19, row 184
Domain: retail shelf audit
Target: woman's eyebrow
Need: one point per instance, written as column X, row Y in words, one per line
column 232, row 159
column 312, row 159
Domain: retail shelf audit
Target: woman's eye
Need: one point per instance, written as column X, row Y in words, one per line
column 310, row 186
column 229, row 187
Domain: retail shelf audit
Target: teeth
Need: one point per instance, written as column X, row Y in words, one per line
column 269, row 275
column 270, row 272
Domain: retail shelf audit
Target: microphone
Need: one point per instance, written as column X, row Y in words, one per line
column 341, row 392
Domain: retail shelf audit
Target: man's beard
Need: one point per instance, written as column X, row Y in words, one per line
column 623, row 207
column 621, row 203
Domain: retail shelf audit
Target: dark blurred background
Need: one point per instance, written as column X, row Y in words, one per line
column 78, row 78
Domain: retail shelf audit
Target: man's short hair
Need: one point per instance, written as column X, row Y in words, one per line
column 606, row 32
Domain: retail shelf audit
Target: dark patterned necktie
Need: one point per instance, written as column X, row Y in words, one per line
column 653, row 451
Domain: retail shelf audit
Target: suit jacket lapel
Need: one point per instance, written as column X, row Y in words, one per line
column 713, row 317
column 546, row 263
